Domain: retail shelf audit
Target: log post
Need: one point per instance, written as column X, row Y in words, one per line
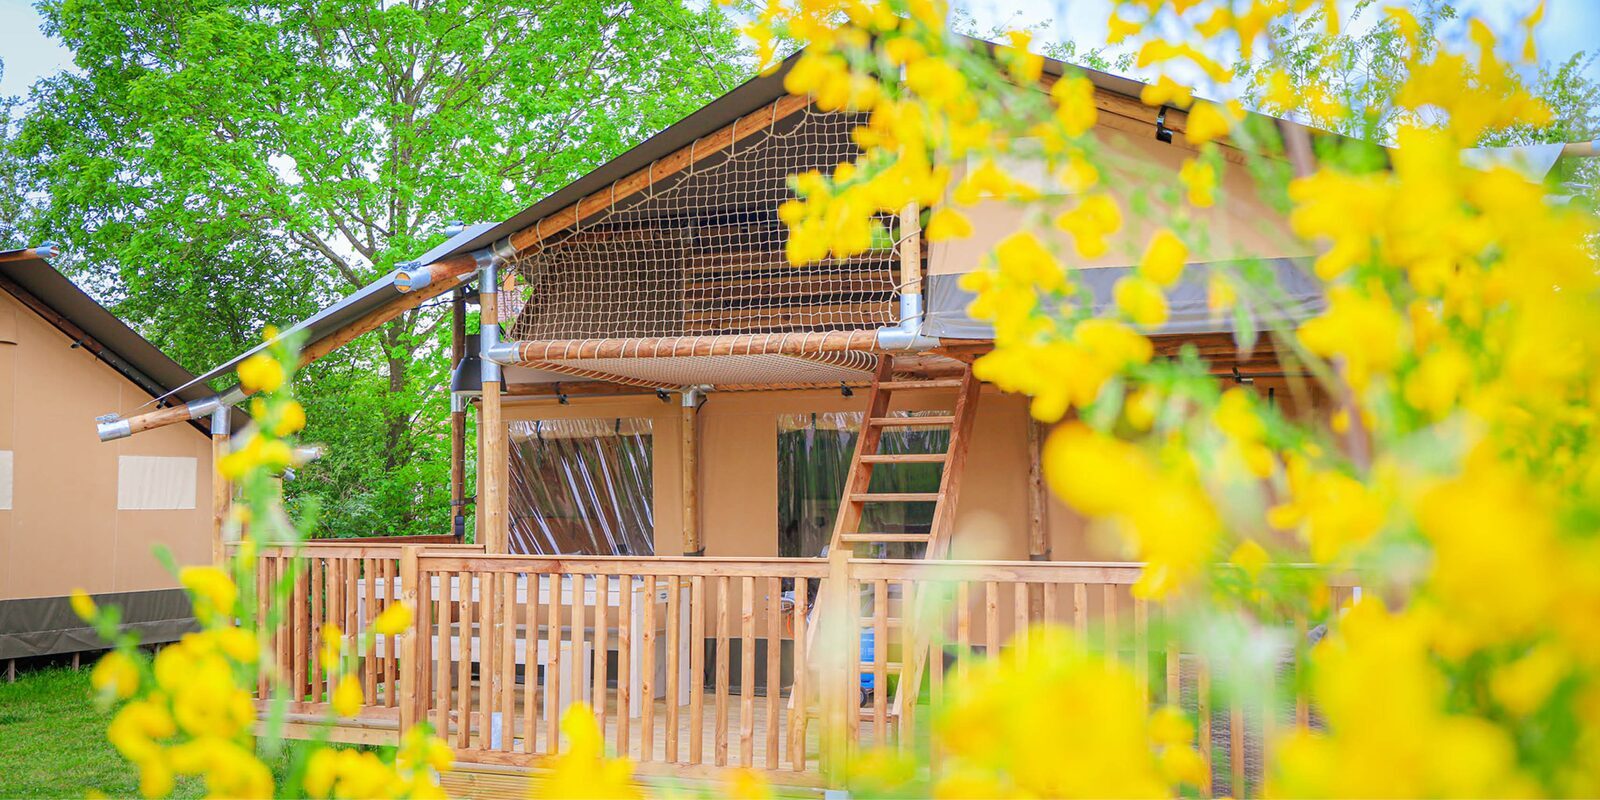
column 491, row 429
column 458, row 421
column 221, row 489
column 689, row 466
column 409, row 667
column 1038, row 499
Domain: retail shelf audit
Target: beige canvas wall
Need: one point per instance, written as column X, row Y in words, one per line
column 64, row 530
column 1142, row 173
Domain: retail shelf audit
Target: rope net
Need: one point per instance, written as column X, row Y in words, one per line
column 700, row 254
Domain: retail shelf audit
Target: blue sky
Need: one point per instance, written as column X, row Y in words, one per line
column 1570, row 25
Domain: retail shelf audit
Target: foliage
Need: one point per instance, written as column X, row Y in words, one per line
column 1457, row 472
column 218, row 166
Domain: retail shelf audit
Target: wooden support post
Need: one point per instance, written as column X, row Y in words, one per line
column 458, row 421
column 689, row 463
column 409, row 667
column 493, row 452
column 1038, row 498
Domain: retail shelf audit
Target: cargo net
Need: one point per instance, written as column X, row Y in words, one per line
column 701, row 253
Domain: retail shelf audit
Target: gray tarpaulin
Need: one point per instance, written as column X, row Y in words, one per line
column 947, row 301
column 42, row 626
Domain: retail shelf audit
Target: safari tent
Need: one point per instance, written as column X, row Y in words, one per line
column 73, row 513
column 677, row 425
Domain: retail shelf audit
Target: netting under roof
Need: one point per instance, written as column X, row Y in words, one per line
column 702, row 254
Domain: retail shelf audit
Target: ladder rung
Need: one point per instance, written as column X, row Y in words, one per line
column 873, row 538
column 934, row 383
column 929, row 421
column 895, row 497
column 904, row 458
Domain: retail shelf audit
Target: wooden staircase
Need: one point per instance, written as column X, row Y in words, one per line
column 848, row 540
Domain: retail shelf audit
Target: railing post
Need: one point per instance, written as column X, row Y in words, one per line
column 834, row 669
column 409, row 712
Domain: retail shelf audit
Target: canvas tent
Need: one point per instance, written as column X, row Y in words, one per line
column 74, row 514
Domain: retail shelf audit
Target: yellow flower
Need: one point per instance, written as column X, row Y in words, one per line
column 1026, row 67
column 394, row 620
column 83, row 605
column 1207, row 122
column 1167, row 92
column 1200, row 179
column 137, row 726
column 1022, row 258
column 1095, row 217
column 1364, row 330
column 212, row 589
column 115, row 675
column 1141, row 300
column 1250, row 557
column 332, row 642
column 945, row 224
column 1220, row 295
column 261, row 373
column 1075, row 109
column 291, row 418
column 347, row 697
column 1164, row 258
column 1118, row 29
column 1525, row 684
column 583, row 770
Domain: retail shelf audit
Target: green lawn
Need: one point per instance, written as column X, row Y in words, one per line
column 53, row 741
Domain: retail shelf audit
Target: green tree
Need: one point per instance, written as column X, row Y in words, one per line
column 217, row 165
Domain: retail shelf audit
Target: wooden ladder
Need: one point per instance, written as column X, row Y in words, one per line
column 857, row 495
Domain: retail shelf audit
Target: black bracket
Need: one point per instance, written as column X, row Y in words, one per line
column 1163, row 133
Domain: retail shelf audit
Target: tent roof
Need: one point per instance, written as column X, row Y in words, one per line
column 749, row 96
column 38, row 285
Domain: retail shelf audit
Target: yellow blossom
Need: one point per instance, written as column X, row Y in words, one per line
column 261, row 373
column 1200, row 180
column 1166, row 92
column 347, row 697
column 394, row 620
column 1164, row 258
column 945, row 224
column 116, row 675
column 1095, row 218
column 1141, row 300
column 83, row 605
column 212, row 589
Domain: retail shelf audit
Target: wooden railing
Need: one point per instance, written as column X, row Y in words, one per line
column 647, row 643
column 301, row 590
column 695, row 665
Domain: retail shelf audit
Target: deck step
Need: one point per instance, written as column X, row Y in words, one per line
column 904, row 458
column 929, row 421
column 912, row 385
column 889, row 667
column 895, row 497
column 874, row 538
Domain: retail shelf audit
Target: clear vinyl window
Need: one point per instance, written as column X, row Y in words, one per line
column 581, row 487
column 814, row 452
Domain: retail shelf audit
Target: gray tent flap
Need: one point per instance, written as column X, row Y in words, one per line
column 1303, row 298
column 42, row 626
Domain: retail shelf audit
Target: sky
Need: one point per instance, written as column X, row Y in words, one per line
column 1569, row 26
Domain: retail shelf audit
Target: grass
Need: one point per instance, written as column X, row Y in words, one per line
column 53, row 741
